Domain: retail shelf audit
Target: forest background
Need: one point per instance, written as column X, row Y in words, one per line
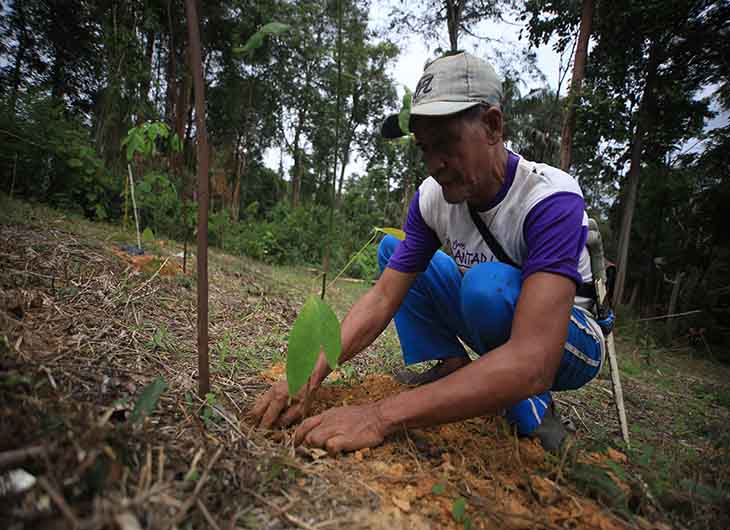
column 93, row 90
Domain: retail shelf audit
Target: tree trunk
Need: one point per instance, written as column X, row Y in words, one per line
column 144, row 87
column 634, row 296
column 647, row 102
column 452, row 23
column 579, row 66
column 19, row 58
column 296, row 180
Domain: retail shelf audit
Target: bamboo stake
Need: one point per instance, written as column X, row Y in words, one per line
column 134, row 205
column 595, row 248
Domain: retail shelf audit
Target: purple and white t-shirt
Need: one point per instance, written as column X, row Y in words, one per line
column 538, row 216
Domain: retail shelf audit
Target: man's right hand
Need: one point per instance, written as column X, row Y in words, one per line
column 272, row 408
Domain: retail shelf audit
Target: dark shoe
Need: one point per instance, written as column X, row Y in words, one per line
column 551, row 432
column 437, row 371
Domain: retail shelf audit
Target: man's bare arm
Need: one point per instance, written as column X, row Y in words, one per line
column 524, row 366
column 362, row 325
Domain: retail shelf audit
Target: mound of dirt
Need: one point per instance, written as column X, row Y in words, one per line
column 418, row 476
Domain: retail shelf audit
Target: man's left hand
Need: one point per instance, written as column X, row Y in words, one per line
column 343, row 429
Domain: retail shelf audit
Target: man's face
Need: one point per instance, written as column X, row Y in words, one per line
column 453, row 150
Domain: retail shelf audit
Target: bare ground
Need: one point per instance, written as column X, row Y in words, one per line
column 84, row 329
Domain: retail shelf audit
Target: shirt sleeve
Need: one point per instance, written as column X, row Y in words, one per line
column 414, row 253
column 555, row 235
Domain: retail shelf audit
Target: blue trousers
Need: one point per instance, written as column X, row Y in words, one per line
column 443, row 306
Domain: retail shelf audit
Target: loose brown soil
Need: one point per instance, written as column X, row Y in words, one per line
column 83, row 330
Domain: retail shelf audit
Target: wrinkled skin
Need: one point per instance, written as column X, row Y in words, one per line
column 343, row 429
column 272, row 408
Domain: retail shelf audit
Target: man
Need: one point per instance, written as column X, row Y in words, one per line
column 520, row 302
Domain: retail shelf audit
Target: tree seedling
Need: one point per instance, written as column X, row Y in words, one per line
column 143, row 140
column 317, row 329
column 148, row 400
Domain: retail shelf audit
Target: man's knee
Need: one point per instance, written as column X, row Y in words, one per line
column 386, row 249
column 490, row 288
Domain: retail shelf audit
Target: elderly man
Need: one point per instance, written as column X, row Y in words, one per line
column 517, row 290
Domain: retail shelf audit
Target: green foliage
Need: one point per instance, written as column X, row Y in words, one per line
column 159, row 205
column 404, row 116
column 207, row 412
column 257, row 39
column 438, row 489
column 147, row 400
column 147, row 235
column 315, row 329
column 365, row 264
column 458, row 512
column 145, row 139
column 162, row 339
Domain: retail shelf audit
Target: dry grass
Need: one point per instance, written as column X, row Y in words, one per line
column 83, row 330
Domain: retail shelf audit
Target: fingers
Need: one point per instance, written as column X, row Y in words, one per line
column 275, row 406
column 305, row 428
column 337, row 444
column 260, row 406
column 294, row 413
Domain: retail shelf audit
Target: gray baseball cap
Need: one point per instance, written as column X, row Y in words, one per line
column 449, row 85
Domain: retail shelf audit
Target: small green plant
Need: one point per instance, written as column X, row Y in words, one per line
column 458, row 512
column 162, row 339
column 207, row 412
column 148, row 235
column 317, row 329
column 147, row 400
column 224, row 352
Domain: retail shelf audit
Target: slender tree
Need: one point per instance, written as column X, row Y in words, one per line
column 581, row 52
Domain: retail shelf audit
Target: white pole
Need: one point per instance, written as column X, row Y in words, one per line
column 134, row 205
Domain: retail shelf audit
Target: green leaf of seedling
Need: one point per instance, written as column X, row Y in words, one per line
column 438, row 489
column 315, row 329
column 148, row 400
column 275, row 28
column 467, row 523
column 395, row 232
column 404, row 116
column 458, row 508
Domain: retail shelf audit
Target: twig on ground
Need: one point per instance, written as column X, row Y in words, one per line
column 581, row 419
column 9, row 458
column 206, row 514
column 59, row 501
column 194, row 497
column 280, row 511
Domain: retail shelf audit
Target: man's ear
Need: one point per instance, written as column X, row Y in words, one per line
column 493, row 124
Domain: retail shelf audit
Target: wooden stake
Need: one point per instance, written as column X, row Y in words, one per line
column 202, row 141
column 673, row 304
column 15, row 169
